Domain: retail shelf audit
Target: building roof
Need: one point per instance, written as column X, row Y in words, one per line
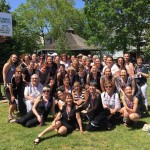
column 74, row 42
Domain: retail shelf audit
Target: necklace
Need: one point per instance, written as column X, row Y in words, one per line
column 68, row 110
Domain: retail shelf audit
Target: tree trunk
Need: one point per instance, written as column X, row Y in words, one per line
column 138, row 53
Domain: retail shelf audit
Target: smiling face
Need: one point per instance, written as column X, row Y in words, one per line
column 123, row 73
column 46, row 91
column 108, row 88
column 104, row 58
column 94, row 69
column 97, row 62
column 139, row 61
column 66, row 82
column 126, row 57
column 107, row 72
column 128, row 91
column 26, row 58
column 14, row 58
column 62, row 69
column 35, row 79
column 49, row 60
column 18, row 72
column 120, row 62
column 109, row 62
column 69, row 99
column 34, row 57
column 92, row 89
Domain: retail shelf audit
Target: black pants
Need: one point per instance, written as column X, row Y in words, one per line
column 29, row 120
column 18, row 94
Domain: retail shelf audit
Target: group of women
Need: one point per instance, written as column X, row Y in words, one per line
column 75, row 88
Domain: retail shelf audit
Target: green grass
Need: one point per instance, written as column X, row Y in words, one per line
column 16, row 137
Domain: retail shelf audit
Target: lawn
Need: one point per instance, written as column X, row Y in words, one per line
column 16, row 137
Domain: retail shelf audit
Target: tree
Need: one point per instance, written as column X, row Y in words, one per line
column 117, row 24
column 4, row 7
column 46, row 17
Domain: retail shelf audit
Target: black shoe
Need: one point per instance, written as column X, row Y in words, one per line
column 37, row 140
column 109, row 126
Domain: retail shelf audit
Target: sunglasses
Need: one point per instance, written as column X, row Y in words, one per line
column 108, row 86
column 46, row 91
column 19, row 71
column 34, row 78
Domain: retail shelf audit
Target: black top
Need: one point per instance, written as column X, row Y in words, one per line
column 82, row 80
column 97, row 80
column 27, row 74
column 69, row 117
column 16, row 85
column 52, row 69
column 140, row 80
column 43, row 108
column 95, row 106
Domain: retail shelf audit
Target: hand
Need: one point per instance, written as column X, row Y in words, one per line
column 84, row 111
column 32, row 101
column 39, row 118
column 139, row 73
column 112, row 111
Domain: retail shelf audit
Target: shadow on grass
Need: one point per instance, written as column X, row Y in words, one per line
column 53, row 136
column 136, row 126
column 145, row 115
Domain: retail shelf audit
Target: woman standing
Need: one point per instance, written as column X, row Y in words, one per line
column 65, row 120
column 25, row 60
column 9, row 69
column 43, row 74
column 141, row 75
column 14, row 93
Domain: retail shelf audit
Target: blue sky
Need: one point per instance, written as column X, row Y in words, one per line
column 15, row 3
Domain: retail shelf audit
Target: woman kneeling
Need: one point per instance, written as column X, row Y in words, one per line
column 130, row 106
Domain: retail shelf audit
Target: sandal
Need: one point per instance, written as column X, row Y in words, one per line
column 10, row 118
column 37, row 140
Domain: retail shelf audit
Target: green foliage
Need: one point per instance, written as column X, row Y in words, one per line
column 116, row 24
column 51, row 18
column 4, row 7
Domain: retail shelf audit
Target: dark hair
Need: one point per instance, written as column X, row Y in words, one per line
column 62, row 65
column 139, row 57
column 127, row 53
column 110, row 57
column 108, row 83
column 123, row 62
column 69, row 95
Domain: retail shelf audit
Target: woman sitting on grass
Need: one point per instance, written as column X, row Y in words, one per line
column 130, row 107
column 80, row 95
column 41, row 108
column 65, row 121
column 111, row 102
